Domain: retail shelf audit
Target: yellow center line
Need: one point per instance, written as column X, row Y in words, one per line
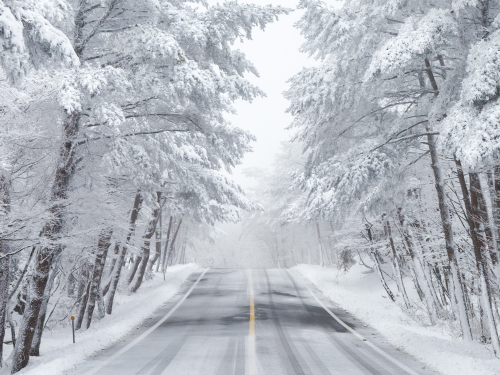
column 252, row 354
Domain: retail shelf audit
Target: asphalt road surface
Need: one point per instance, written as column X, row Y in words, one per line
column 242, row 322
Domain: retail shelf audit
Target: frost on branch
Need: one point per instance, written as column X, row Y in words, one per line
column 471, row 129
column 13, row 55
column 28, row 38
column 483, row 68
column 325, row 29
column 416, row 37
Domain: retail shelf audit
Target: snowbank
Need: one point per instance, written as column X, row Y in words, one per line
column 363, row 296
column 59, row 354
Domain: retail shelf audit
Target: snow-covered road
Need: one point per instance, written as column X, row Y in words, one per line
column 210, row 333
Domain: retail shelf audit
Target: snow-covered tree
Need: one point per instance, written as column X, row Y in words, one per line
column 141, row 99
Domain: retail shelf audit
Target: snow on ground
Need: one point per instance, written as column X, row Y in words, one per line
column 363, row 296
column 59, row 354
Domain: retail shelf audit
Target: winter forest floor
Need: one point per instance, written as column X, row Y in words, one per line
column 363, row 296
column 59, row 354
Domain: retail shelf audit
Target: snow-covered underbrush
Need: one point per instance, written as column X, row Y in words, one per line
column 58, row 353
column 362, row 295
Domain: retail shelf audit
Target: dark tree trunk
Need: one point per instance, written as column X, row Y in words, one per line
column 102, row 251
column 111, row 269
column 4, row 262
column 12, row 328
column 480, row 215
column 4, row 293
column 119, row 263
column 37, row 337
column 83, row 306
column 23, row 273
column 165, row 251
column 418, row 270
column 146, row 248
column 456, row 290
column 135, row 266
column 50, row 233
column 170, row 253
column 456, row 280
column 475, row 218
column 496, row 201
column 157, row 255
column 397, row 266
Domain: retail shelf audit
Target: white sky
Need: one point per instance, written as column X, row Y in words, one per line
column 275, row 54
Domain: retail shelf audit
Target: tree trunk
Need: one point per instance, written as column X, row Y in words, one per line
column 456, row 287
column 456, row 282
column 397, row 266
column 37, row 337
column 111, row 268
column 83, row 306
column 473, row 207
column 4, row 293
column 320, row 248
column 381, row 276
column 146, row 249
column 165, row 250
column 496, row 201
column 119, row 263
column 158, row 230
column 487, row 219
column 183, row 252
column 50, row 233
column 173, row 242
column 100, row 259
column 4, row 261
column 135, row 266
column 420, row 275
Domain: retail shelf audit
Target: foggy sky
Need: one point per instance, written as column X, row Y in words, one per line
column 275, row 54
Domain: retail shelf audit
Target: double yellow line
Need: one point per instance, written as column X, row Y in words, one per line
column 252, row 354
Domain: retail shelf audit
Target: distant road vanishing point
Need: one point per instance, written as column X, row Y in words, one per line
column 249, row 322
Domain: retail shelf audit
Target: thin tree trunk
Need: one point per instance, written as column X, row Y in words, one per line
column 173, row 242
column 101, row 309
column 135, row 266
column 165, row 251
column 4, row 293
column 320, row 248
column 50, row 233
column 12, row 328
column 37, row 337
column 119, row 264
column 83, row 305
column 183, row 254
column 377, row 264
column 146, row 247
column 456, row 289
column 420, row 276
column 397, row 266
column 487, row 218
column 381, row 276
column 4, row 261
column 111, row 269
column 496, row 201
column 474, row 219
column 23, row 273
column 158, row 233
column 100, row 259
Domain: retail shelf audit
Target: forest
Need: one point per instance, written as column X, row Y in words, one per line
column 116, row 154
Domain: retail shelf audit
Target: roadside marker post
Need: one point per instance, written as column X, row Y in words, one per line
column 73, row 325
column 164, row 274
